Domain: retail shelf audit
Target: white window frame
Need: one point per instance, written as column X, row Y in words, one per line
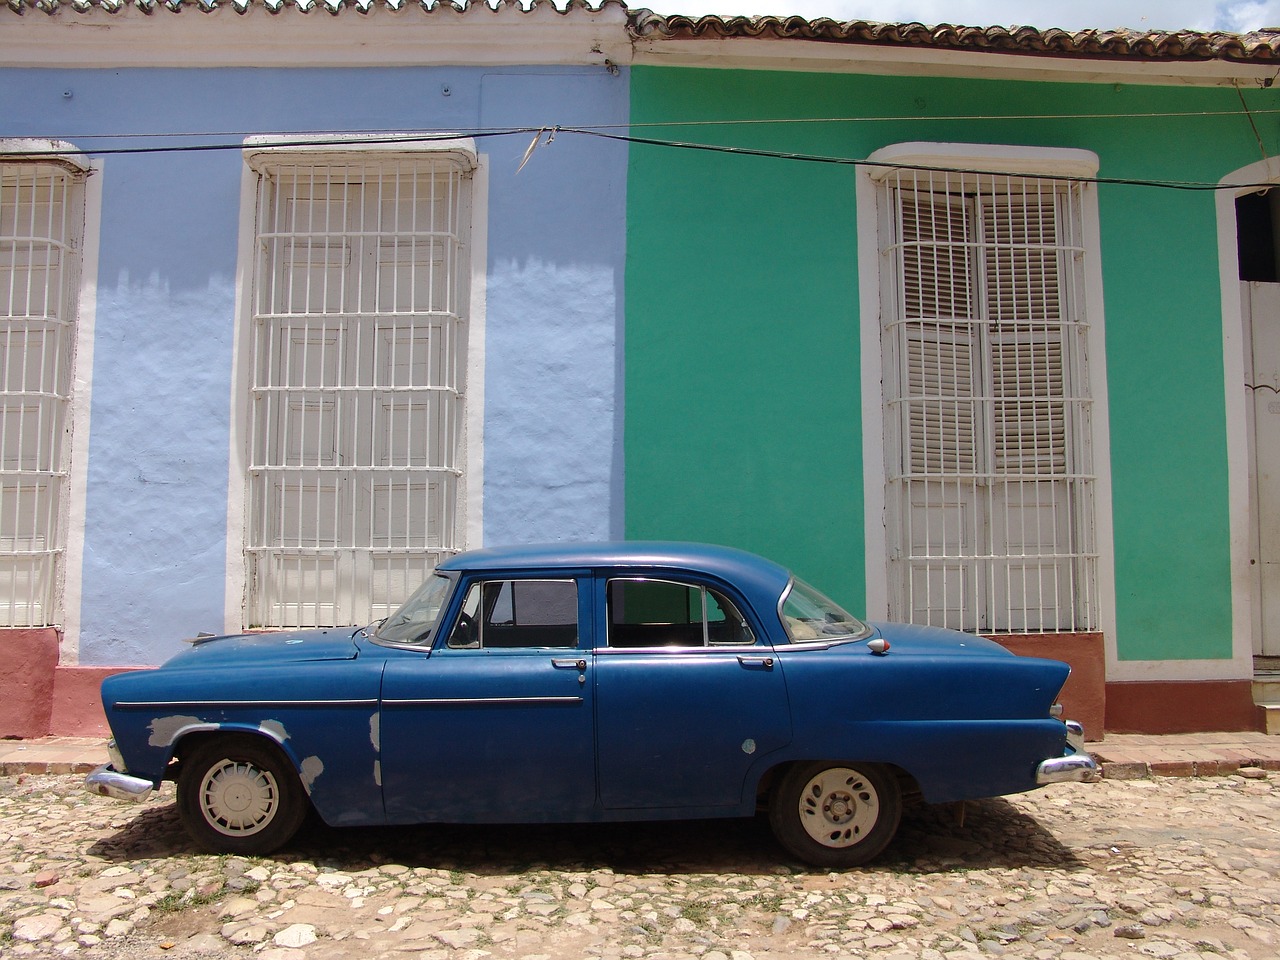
column 68, row 447
column 264, row 154
column 875, row 271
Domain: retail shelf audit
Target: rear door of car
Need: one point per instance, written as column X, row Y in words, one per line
column 689, row 695
column 496, row 724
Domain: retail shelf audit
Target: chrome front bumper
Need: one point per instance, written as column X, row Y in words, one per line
column 1074, row 766
column 106, row 781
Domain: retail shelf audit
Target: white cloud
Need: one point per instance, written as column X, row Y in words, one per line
column 1230, row 15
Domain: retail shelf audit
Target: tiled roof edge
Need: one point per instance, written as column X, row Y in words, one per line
column 1261, row 46
column 1257, row 47
column 305, row 6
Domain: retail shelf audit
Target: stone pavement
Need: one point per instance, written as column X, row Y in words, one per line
column 1122, row 756
column 1131, row 756
column 1171, row 868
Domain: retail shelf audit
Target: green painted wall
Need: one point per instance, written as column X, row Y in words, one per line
column 743, row 401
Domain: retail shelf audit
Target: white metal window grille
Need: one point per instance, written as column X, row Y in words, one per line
column 358, row 349
column 989, row 497
column 41, row 219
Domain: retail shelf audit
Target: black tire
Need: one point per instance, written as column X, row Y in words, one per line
column 240, row 794
column 833, row 813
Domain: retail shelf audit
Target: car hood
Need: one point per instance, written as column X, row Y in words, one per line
column 294, row 646
column 907, row 639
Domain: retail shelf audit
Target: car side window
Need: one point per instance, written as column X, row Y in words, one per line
column 664, row 613
column 517, row 613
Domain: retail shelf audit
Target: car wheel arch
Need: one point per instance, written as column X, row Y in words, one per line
column 197, row 735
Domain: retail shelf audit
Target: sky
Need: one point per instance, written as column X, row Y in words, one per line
column 1236, row 16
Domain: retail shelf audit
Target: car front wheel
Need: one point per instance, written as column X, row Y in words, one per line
column 239, row 794
column 836, row 814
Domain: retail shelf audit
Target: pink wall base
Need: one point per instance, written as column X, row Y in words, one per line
column 77, row 703
column 39, row 698
column 27, row 661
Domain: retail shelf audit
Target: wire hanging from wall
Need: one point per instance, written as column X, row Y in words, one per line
column 409, row 139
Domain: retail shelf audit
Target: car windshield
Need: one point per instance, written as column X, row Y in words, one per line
column 809, row 616
column 416, row 619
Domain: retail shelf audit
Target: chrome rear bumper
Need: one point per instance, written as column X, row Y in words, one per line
column 106, row 781
column 1074, row 766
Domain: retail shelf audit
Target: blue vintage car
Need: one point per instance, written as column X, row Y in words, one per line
column 629, row 681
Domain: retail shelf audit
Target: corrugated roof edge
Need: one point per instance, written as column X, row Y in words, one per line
column 1260, row 46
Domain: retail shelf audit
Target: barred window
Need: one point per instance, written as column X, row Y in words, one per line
column 989, row 498
column 359, row 320
column 41, row 221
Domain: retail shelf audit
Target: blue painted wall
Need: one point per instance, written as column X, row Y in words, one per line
column 156, row 500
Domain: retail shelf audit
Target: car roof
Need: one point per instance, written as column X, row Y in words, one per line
column 747, row 571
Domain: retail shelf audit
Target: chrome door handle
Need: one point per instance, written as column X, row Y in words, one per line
column 565, row 663
column 766, row 662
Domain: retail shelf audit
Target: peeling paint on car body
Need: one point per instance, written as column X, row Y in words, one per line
column 275, row 730
column 164, row 730
column 311, row 768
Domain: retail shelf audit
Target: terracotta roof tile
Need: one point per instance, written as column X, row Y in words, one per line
column 1261, row 46
column 1258, row 47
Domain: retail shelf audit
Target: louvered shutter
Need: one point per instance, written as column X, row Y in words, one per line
column 940, row 310
column 981, row 351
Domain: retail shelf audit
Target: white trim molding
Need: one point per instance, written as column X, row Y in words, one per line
column 813, row 56
column 410, row 36
column 472, row 494
column 1240, row 666
column 1008, row 160
column 264, row 459
column 81, row 231
column 81, row 408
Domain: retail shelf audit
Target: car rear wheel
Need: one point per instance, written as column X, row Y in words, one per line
column 835, row 814
column 239, row 794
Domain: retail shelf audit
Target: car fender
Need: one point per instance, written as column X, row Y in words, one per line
column 324, row 717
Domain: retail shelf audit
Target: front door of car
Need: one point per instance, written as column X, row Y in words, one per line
column 689, row 696
column 496, row 724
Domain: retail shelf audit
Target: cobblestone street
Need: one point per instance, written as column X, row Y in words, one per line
column 1186, row 867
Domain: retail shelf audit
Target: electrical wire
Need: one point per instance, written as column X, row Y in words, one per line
column 884, row 165
column 597, row 132
column 731, row 122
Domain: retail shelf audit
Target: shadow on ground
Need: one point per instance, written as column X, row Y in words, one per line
column 995, row 834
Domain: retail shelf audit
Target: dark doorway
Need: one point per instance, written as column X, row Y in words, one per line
column 1256, row 215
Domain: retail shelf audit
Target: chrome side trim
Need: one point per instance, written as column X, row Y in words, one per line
column 106, row 781
column 673, row 650
column 236, row 704
column 479, row 701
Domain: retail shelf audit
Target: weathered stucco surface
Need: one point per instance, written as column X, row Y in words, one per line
column 155, row 539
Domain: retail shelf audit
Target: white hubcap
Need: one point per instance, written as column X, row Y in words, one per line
column 839, row 807
column 238, row 799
